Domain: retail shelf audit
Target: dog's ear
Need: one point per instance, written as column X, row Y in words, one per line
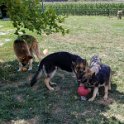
column 93, row 74
column 88, row 72
column 73, row 63
column 85, row 62
column 93, row 77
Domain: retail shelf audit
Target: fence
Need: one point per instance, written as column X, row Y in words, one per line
column 81, row 8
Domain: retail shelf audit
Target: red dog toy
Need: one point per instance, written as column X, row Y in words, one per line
column 83, row 91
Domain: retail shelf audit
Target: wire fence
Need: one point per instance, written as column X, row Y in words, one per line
column 84, row 8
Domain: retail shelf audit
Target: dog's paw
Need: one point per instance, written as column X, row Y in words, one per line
column 51, row 89
column 105, row 98
column 29, row 69
column 91, row 99
column 19, row 70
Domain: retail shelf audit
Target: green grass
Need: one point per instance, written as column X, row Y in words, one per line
column 89, row 35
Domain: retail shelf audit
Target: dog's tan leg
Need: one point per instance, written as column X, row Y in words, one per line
column 36, row 51
column 52, row 75
column 109, row 85
column 47, row 83
column 20, row 66
column 30, row 64
column 94, row 94
column 39, row 56
column 52, row 83
column 106, row 92
column 49, row 77
column 31, row 52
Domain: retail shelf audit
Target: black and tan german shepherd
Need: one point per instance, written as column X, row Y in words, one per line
column 97, row 75
column 63, row 60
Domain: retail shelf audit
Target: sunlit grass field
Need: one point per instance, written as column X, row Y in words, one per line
column 89, row 35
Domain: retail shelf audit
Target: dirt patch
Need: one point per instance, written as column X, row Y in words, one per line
column 22, row 121
column 20, row 98
column 56, row 109
column 106, row 102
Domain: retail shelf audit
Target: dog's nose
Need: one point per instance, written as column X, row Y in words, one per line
column 79, row 80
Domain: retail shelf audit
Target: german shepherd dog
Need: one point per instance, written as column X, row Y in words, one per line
column 24, row 47
column 63, row 60
column 96, row 76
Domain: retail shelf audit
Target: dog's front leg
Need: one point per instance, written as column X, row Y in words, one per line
column 20, row 66
column 30, row 64
column 94, row 94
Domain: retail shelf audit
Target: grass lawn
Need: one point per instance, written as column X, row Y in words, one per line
column 89, row 35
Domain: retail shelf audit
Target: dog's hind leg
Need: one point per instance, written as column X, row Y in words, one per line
column 110, row 85
column 52, row 75
column 106, row 92
column 38, row 54
column 110, row 78
column 36, row 51
column 48, row 79
column 47, row 83
column 31, row 52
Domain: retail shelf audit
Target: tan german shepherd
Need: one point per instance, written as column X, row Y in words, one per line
column 24, row 47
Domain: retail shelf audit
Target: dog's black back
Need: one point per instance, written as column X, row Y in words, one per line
column 102, row 76
column 62, row 60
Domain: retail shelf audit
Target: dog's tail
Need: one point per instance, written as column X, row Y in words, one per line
column 36, row 76
column 45, row 52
